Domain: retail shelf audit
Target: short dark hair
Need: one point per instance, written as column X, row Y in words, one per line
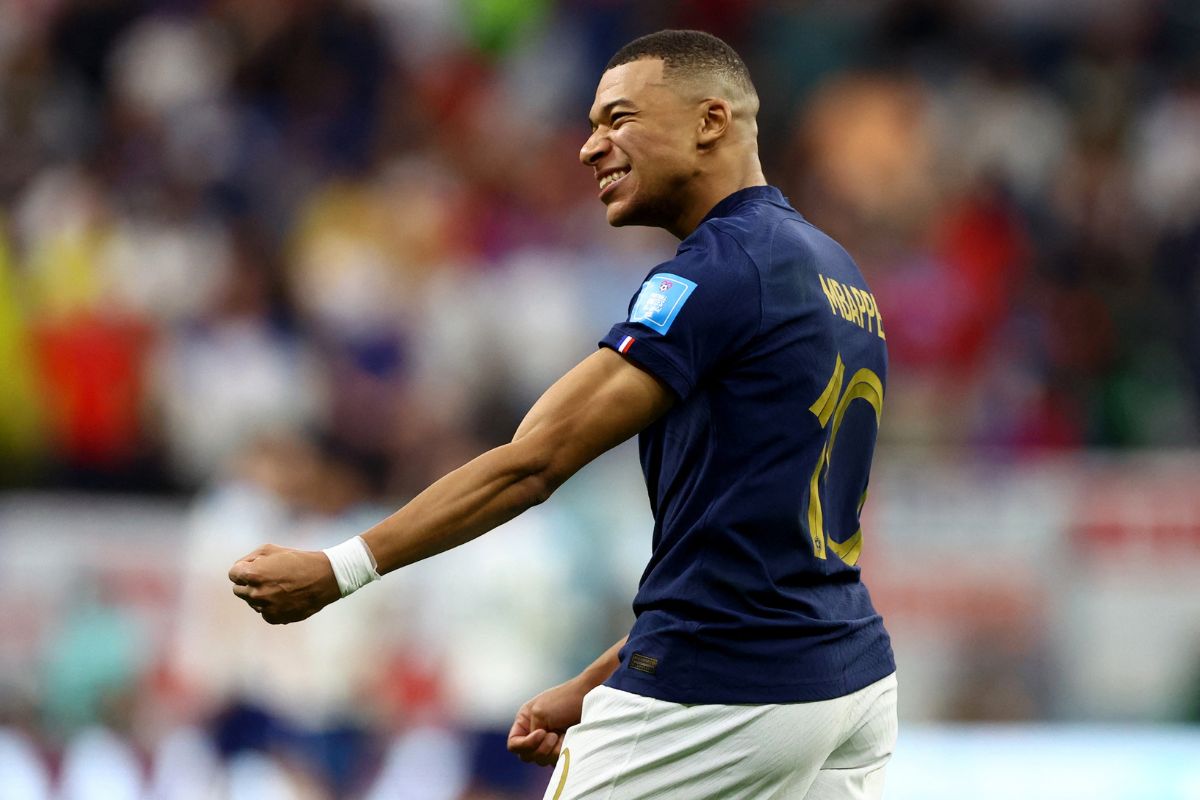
column 688, row 53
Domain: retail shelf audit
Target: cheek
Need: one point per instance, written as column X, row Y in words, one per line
column 651, row 157
column 624, row 143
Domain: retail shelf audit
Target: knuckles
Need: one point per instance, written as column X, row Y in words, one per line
column 243, row 574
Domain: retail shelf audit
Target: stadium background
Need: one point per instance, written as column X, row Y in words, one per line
column 267, row 268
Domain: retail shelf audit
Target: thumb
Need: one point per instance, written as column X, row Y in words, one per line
column 520, row 726
column 253, row 554
column 238, row 573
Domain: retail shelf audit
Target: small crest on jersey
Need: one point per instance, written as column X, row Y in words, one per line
column 643, row 663
column 660, row 301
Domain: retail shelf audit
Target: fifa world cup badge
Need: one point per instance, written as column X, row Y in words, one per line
column 660, row 301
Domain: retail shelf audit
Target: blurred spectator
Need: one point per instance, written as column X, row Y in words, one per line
column 294, row 691
column 225, row 377
column 354, row 217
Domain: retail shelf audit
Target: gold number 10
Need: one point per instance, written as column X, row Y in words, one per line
column 832, row 405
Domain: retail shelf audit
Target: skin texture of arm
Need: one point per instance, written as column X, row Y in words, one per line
column 600, row 403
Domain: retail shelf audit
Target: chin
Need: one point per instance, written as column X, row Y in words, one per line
column 625, row 213
column 642, row 207
column 618, row 217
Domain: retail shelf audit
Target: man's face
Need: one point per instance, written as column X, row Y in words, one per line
column 643, row 145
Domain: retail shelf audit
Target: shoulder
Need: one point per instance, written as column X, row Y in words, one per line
column 714, row 256
column 733, row 246
column 766, row 233
column 775, row 238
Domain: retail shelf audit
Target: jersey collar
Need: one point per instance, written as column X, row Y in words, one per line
column 727, row 206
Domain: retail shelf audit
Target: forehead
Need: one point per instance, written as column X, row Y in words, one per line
column 639, row 81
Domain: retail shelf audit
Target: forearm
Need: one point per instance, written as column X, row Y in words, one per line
column 601, row 402
column 597, row 405
column 602, row 668
column 486, row 492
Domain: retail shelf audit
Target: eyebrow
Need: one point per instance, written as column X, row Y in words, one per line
column 607, row 108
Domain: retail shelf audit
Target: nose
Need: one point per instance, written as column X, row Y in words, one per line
column 593, row 149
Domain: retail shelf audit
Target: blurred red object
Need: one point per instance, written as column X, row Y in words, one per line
column 92, row 369
column 984, row 245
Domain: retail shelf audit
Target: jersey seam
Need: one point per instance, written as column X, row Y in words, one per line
column 770, row 262
column 757, row 269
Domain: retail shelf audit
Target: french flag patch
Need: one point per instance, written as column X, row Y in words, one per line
column 626, row 343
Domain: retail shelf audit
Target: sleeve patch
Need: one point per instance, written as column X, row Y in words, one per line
column 661, row 299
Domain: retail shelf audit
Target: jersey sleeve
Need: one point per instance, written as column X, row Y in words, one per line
column 691, row 313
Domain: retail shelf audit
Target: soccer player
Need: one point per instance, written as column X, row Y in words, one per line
column 752, row 365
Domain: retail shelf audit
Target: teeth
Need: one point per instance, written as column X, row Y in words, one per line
column 612, row 177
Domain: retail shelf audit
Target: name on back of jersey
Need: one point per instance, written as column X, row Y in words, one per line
column 853, row 305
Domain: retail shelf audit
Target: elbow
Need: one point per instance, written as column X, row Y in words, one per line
column 540, row 472
column 548, row 474
column 539, row 486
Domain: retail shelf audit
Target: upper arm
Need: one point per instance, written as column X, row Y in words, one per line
column 600, row 403
column 693, row 314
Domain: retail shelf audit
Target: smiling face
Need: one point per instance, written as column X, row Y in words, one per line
column 643, row 147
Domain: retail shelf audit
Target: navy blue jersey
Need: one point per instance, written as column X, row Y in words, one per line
column 764, row 328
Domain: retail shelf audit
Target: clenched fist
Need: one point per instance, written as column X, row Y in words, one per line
column 284, row 585
column 538, row 731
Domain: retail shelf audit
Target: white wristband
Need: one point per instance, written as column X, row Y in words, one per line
column 353, row 564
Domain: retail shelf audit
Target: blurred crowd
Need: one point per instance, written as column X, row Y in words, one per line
column 313, row 254
column 367, row 220
column 129, row 671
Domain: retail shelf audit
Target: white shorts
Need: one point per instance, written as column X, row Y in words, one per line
column 629, row 747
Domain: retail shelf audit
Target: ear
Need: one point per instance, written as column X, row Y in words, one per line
column 715, row 122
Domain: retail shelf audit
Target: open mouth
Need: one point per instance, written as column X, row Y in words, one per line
column 612, row 178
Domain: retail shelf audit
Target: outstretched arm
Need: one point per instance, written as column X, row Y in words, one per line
column 597, row 405
column 600, row 403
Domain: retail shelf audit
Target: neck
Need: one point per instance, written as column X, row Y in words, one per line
column 711, row 187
